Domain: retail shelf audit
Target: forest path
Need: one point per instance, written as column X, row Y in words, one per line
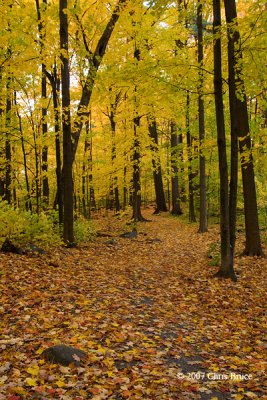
column 148, row 313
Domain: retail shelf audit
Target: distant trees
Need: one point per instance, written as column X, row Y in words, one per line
column 71, row 144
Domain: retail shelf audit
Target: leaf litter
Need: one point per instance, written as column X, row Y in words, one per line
column 147, row 312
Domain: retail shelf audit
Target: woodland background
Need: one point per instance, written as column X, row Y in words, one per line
column 150, row 79
column 109, row 111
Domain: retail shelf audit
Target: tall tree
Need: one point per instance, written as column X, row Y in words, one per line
column 239, row 118
column 68, row 233
column 55, row 84
column 227, row 257
column 94, row 60
column 136, row 157
column 175, row 192
column 203, row 223
column 8, row 169
column 44, row 160
column 191, row 173
column 28, row 203
column 114, row 103
column 88, row 196
column 2, row 124
column 136, row 181
column 157, row 171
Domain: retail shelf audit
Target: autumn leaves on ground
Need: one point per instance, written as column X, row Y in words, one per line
column 149, row 315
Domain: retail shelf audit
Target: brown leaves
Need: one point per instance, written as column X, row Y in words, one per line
column 153, row 322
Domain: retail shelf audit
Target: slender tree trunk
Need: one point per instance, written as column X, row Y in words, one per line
column 92, row 201
column 87, row 188
column 2, row 125
column 55, row 84
column 37, row 172
column 191, row 175
column 85, row 205
column 8, row 108
column 203, row 223
column 28, row 204
column 68, row 233
column 114, row 184
column 8, row 170
column 44, row 159
column 234, row 143
column 44, row 165
column 136, row 193
column 227, row 257
column 175, row 193
column 95, row 61
column 125, row 189
column 240, row 114
column 182, row 184
column 157, row 173
column 136, row 158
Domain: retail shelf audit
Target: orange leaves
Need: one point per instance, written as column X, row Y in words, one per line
column 153, row 323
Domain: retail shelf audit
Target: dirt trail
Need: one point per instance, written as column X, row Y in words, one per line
column 154, row 323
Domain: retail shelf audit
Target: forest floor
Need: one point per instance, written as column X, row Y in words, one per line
column 153, row 321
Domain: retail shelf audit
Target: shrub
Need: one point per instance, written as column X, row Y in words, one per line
column 22, row 227
column 84, row 229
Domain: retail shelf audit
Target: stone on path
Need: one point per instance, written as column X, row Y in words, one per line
column 64, row 355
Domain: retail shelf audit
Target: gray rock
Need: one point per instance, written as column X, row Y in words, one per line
column 64, row 355
column 129, row 235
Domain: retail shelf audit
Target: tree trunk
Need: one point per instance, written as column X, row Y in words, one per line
column 239, row 115
column 2, row 124
column 136, row 190
column 28, row 204
column 88, row 200
column 44, row 159
column 68, row 233
column 55, row 84
column 8, row 170
column 227, row 257
column 95, row 61
column 157, row 173
column 136, row 193
column 191, row 174
column 37, row 173
column 44, row 165
column 234, row 142
column 114, row 184
column 203, row 223
column 175, row 193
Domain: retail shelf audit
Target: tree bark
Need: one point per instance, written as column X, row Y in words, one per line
column 191, row 174
column 136, row 158
column 2, row 124
column 8, row 170
column 203, row 222
column 28, row 204
column 239, row 115
column 227, row 257
column 55, row 84
column 68, row 234
column 136, row 192
column 157, row 172
column 94, row 59
column 88, row 200
column 44, row 159
column 114, row 183
column 175, row 192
